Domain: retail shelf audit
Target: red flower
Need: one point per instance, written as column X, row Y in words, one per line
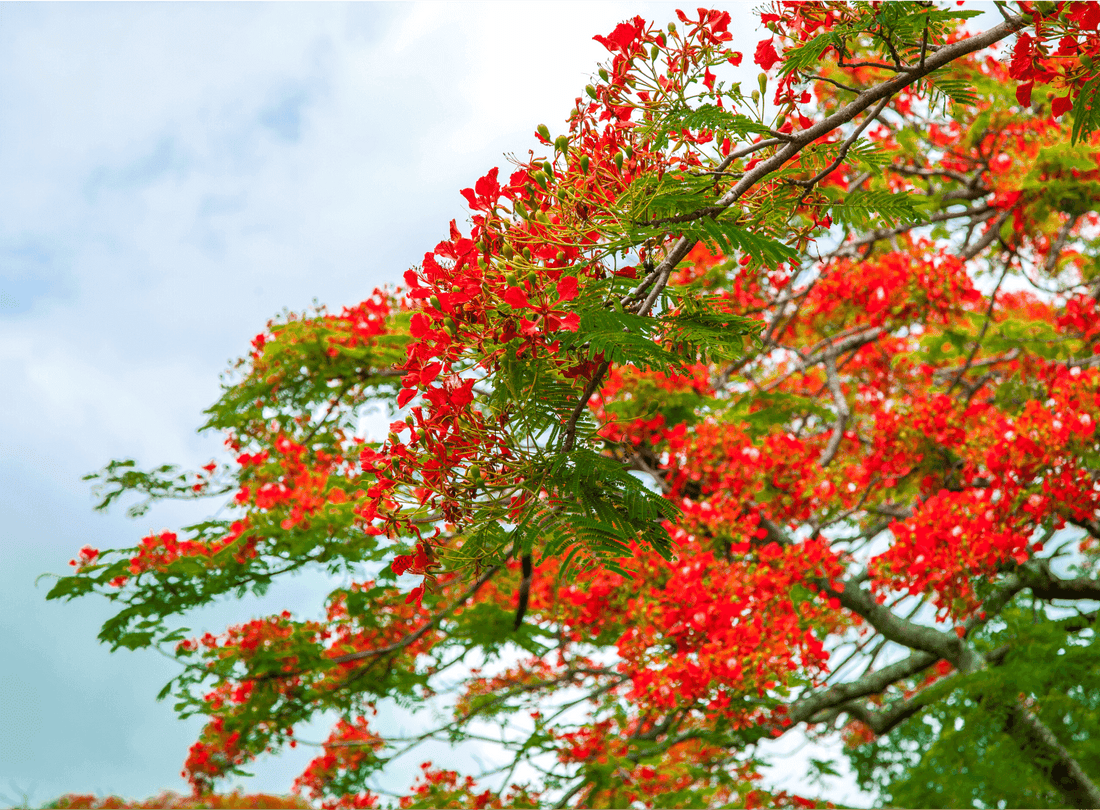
column 516, row 298
column 765, row 55
column 1023, row 94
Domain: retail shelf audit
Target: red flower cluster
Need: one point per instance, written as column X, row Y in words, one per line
column 651, row 337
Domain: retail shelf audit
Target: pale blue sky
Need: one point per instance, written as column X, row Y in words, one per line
column 171, row 175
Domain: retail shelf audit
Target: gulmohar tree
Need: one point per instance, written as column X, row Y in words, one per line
column 730, row 411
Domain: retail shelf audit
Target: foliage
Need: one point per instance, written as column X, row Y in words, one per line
column 728, row 414
column 173, row 801
column 956, row 753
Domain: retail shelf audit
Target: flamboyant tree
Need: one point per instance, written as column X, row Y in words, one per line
column 168, row 800
column 730, row 411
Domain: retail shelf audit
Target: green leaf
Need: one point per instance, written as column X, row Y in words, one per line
column 861, row 208
column 705, row 116
column 71, row 587
column 1086, row 110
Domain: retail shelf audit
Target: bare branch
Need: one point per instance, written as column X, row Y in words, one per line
column 842, row 412
column 871, row 683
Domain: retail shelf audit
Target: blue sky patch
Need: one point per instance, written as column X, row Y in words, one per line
column 284, row 117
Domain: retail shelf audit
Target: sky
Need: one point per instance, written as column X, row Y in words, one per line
column 172, row 176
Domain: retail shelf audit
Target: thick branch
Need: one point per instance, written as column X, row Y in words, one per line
column 1051, row 757
column 1045, row 585
column 871, row 683
column 893, row 627
column 863, row 101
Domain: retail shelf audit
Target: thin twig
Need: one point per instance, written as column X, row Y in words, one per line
column 981, row 335
column 809, row 184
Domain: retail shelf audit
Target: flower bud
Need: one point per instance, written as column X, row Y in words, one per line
column 544, row 131
column 619, row 161
column 762, row 80
column 585, row 163
column 591, row 91
column 604, row 75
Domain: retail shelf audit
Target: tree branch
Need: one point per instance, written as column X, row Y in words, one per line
column 842, row 412
column 1051, row 757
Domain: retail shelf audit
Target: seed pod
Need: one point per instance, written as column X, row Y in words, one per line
column 544, row 131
